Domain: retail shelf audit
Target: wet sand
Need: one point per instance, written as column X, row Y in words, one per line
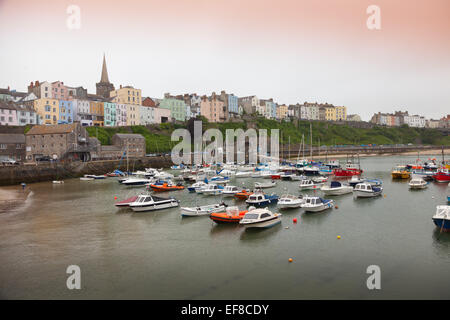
column 11, row 197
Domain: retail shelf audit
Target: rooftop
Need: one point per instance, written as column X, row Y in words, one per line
column 49, row 129
column 12, row 138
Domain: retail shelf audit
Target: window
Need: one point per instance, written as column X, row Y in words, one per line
column 2, row 146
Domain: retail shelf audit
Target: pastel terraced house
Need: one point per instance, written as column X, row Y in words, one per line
column 48, row 109
column 65, row 112
column 127, row 95
column 177, row 107
column 110, row 114
column 132, row 115
column 8, row 114
column 213, row 109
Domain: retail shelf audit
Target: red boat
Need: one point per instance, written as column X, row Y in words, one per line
column 349, row 172
column 443, row 175
column 275, row 176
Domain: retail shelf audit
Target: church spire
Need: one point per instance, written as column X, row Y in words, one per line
column 104, row 78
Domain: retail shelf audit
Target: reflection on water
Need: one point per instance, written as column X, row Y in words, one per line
column 160, row 255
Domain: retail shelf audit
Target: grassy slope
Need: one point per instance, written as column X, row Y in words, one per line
column 158, row 136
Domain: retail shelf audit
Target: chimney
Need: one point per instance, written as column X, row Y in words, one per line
column 36, row 83
column 120, row 86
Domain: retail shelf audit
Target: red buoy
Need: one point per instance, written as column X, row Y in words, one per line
column 294, row 220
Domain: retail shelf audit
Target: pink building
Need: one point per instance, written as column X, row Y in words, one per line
column 59, row 91
column 8, row 114
column 212, row 108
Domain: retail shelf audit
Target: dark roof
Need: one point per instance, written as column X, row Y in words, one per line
column 129, row 135
column 12, row 138
column 49, row 129
column 7, row 105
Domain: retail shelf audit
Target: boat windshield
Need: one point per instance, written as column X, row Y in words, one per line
column 251, row 216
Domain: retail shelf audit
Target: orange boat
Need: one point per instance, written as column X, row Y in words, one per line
column 165, row 187
column 244, row 194
column 232, row 215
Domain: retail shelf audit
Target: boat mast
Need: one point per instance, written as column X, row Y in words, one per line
column 127, row 156
column 311, row 145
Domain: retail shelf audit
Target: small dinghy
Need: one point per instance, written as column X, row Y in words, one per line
column 259, row 199
column 417, row 183
column 243, row 194
column 317, row 204
column 260, row 185
column 202, row 210
column 230, row 191
column 288, row 201
column 147, row 202
column 197, row 185
column 260, row 218
column 297, row 178
column 442, row 218
column 320, row 179
column 366, row 190
column 374, row 182
column 309, row 184
column 212, row 189
column 336, row 188
column 57, row 182
column 231, row 215
column 86, row 179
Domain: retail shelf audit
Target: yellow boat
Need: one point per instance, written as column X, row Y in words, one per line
column 400, row 172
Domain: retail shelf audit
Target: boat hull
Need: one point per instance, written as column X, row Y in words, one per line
column 282, row 205
column 153, row 207
column 322, row 207
column 337, row 191
column 443, row 224
column 364, row 194
column 263, row 224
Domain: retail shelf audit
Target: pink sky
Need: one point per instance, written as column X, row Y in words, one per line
column 292, row 51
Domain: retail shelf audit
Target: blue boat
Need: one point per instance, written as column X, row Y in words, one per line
column 259, row 199
column 442, row 218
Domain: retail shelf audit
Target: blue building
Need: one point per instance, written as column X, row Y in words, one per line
column 65, row 112
column 273, row 110
column 233, row 105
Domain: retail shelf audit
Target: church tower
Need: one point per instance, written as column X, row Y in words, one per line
column 104, row 87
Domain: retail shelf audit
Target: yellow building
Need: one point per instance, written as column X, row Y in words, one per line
column 132, row 115
column 341, row 113
column 330, row 113
column 127, row 95
column 97, row 111
column 48, row 109
column 282, row 111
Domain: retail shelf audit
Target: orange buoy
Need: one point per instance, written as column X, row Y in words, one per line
column 336, row 207
column 290, row 260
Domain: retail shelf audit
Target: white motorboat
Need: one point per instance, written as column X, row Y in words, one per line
column 96, row 177
column 211, row 189
column 230, row 191
column 261, row 185
column 259, row 199
column 442, row 218
column 202, row 210
column 197, row 185
column 136, row 182
column 288, row 201
column 298, row 177
column 336, row 188
column 320, row 179
column 163, row 175
column 355, row 180
column 317, row 204
column 309, row 184
column 256, row 174
column 243, row 174
column 366, row 190
column 86, row 179
column 260, row 218
column 226, row 173
column 219, row 180
column 57, row 182
column 417, row 183
column 147, row 202
column 311, row 171
column 267, row 174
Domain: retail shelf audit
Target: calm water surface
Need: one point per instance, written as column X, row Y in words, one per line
column 159, row 255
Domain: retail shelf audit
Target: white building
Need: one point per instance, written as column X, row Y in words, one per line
column 81, row 112
column 121, row 114
column 415, row 121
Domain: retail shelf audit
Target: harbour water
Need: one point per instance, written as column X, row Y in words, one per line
column 159, row 255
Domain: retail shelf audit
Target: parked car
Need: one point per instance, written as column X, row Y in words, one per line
column 43, row 159
column 9, row 162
